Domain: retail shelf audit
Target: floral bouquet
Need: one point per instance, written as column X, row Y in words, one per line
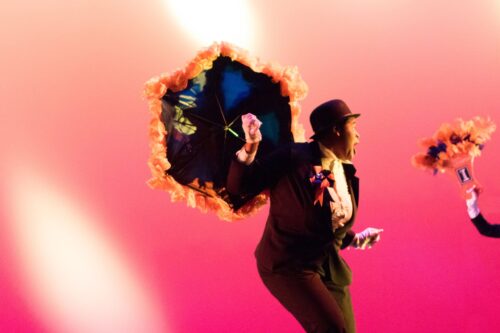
column 452, row 149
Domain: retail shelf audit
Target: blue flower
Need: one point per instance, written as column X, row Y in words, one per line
column 434, row 151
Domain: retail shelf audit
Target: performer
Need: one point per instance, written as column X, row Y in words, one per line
column 314, row 198
column 484, row 228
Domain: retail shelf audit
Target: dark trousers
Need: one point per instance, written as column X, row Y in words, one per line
column 319, row 306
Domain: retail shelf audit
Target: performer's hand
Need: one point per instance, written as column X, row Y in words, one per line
column 472, row 208
column 251, row 127
column 366, row 238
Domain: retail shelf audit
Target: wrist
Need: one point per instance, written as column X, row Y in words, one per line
column 473, row 211
column 472, row 208
column 251, row 148
column 245, row 157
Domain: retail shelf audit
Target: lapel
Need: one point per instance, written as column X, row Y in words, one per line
column 353, row 181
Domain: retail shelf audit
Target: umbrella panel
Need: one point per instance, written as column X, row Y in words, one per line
column 203, row 122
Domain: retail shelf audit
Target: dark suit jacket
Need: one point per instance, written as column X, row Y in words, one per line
column 298, row 234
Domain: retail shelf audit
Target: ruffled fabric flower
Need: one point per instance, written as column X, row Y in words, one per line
column 291, row 84
column 320, row 180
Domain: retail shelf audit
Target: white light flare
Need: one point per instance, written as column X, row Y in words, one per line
column 72, row 273
column 217, row 20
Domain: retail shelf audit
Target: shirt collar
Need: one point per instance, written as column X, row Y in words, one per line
column 329, row 156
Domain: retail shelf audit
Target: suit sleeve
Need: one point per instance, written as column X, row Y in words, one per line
column 261, row 174
column 347, row 239
column 485, row 228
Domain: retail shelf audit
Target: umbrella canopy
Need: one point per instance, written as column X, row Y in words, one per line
column 196, row 125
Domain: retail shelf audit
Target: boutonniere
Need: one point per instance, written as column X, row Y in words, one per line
column 320, row 179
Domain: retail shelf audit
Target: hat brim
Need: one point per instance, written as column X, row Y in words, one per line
column 351, row 115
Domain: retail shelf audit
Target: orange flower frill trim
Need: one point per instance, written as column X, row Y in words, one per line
column 451, row 141
column 291, row 85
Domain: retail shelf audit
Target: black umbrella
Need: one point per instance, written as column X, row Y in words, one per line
column 203, row 125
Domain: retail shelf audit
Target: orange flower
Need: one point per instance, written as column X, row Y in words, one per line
column 154, row 88
column 294, row 86
column 423, row 161
column 273, row 70
column 444, row 132
column 193, row 69
column 155, row 107
column 210, row 53
column 426, row 142
column 178, row 80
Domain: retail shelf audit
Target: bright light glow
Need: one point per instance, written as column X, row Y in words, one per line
column 74, row 276
column 216, row 20
column 497, row 2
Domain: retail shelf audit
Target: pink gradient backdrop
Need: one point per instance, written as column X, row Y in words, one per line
column 71, row 110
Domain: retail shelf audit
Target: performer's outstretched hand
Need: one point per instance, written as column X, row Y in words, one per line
column 251, row 127
column 366, row 238
column 471, row 202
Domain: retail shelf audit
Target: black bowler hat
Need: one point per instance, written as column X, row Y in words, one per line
column 329, row 114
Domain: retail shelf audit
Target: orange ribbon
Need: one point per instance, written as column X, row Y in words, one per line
column 321, row 179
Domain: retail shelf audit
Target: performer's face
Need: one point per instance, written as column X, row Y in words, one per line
column 349, row 138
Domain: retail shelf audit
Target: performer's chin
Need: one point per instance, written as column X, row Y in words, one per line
column 351, row 154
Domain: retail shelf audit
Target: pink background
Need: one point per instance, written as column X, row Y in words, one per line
column 86, row 246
